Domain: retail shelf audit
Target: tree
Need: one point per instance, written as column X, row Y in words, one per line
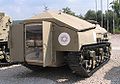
column 99, row 14
column 90, row 15
column 68, row 11
column 116, row 9
column 109, row 16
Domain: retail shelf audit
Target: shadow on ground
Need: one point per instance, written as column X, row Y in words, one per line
column 58, row 75
column 113, row 75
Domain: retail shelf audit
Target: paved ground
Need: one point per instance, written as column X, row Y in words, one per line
column 108, row 74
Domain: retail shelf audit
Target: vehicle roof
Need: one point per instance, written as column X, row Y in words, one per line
column 70, row 20
column 99, row 29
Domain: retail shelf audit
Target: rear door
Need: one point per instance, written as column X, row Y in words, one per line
column 16, row 44
column 33, row 43
column 47, row 44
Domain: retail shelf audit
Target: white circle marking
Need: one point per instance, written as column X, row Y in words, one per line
column 64, row 39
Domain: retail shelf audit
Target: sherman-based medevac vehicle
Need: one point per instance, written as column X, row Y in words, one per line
column 54, row 39
column 4, row 28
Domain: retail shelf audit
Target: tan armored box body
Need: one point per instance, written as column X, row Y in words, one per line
column 47, row 38
column 4, row 29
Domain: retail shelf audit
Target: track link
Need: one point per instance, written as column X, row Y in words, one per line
column 7, row 64
column 77, row 60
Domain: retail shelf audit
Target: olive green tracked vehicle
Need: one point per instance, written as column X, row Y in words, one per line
column 54, row 39
column 4, row 29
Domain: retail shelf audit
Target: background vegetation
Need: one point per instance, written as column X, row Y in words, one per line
column 111, row 16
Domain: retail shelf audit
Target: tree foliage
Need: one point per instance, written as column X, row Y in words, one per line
column 109, row 15
column 68, row 11
column 116, row 8
column 90, row 15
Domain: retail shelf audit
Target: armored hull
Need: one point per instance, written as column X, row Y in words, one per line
column 54, row 39
column 4, row 29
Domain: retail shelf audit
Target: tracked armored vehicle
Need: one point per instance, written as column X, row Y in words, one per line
column 54, row 39
column 4, row 28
